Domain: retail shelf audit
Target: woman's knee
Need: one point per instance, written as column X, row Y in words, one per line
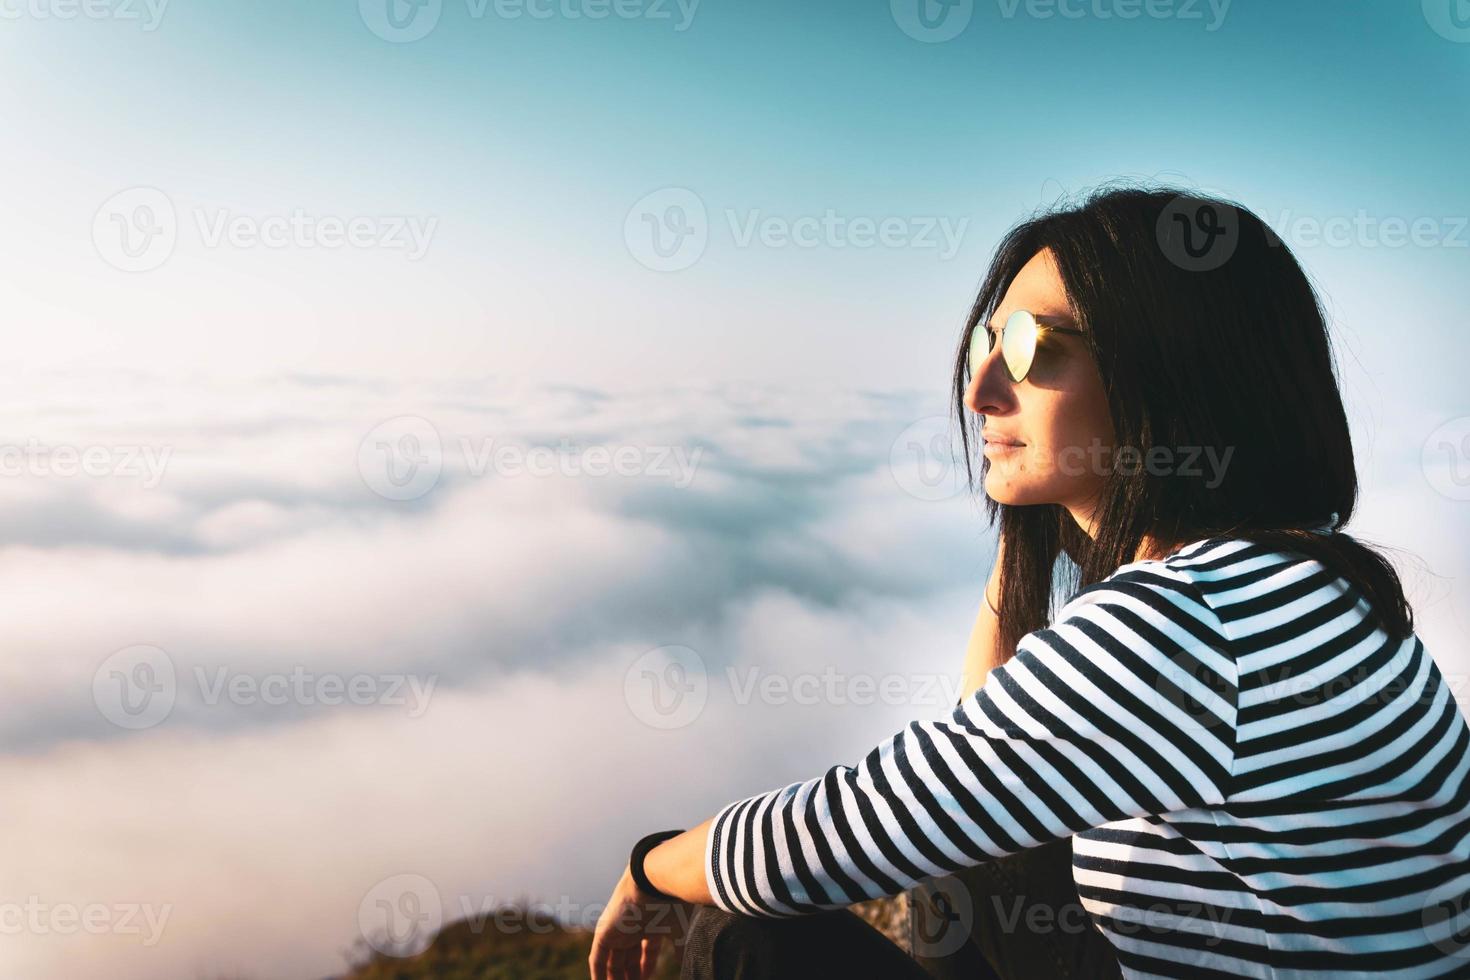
column 722, row 945
column 716, row 927
column 729, row 946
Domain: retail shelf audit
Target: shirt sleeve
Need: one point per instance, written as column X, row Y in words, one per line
column 1125, row 706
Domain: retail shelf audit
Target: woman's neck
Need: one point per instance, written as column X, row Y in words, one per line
column 1149, row 547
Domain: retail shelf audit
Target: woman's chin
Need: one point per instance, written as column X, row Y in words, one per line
column 1004, row 489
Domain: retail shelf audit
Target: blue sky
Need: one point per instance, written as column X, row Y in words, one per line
column 529, row 139
column 183, row 301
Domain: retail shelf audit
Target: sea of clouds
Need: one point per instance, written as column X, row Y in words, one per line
column 354, row 679
column 275, row 647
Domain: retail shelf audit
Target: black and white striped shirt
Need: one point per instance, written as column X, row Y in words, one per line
column 1257, row 780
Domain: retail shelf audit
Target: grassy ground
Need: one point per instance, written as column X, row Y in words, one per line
column 549, row 951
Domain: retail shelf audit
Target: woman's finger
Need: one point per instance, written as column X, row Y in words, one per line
column 648, row 960
column 625, row 964
column 597, row 962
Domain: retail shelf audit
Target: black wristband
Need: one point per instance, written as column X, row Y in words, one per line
column 635, row 862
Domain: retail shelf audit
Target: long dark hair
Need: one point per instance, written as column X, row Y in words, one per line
column 1207, row 333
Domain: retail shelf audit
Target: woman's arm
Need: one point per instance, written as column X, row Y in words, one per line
column 984, row 650
column 1125, row 707
column 676, row 867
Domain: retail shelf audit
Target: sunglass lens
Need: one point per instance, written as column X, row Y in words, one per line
column 1018, row 344
column 979, row 347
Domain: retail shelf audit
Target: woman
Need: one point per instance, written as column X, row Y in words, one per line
column 1255, row 760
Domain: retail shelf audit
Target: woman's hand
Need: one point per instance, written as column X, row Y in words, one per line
column 630, row 932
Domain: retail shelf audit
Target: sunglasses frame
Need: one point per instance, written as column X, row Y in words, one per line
column 1036, row 324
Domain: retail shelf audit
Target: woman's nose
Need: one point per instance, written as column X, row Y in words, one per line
column 991, row 390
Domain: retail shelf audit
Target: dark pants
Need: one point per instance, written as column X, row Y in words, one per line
column 726, row 946
column 1016, row 918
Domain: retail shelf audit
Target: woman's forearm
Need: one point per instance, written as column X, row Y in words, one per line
column 984, row 650
column 676, row 867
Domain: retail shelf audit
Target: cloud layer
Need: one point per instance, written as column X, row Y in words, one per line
column 259, row 700
column 497, row 625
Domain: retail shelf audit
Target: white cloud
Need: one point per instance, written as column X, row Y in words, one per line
column 793, row 557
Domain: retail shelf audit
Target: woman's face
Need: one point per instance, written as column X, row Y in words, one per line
column 1058, row 413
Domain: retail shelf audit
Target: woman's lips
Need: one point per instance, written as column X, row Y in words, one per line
column 999, row 447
